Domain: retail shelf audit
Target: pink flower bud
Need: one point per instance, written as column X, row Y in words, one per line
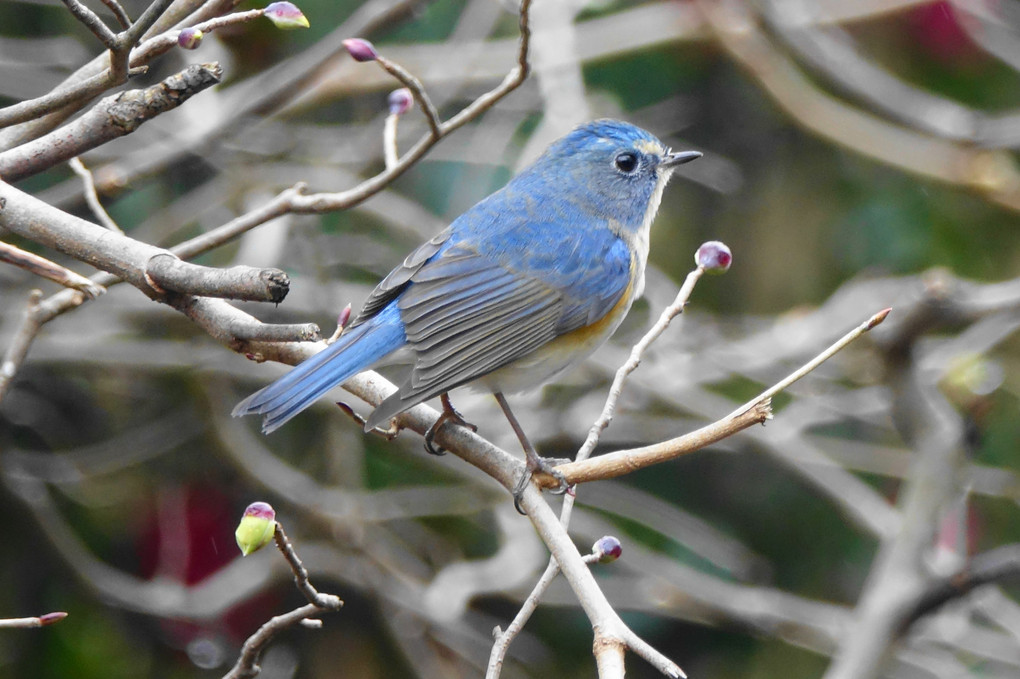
column 714, row 256
column 190, row 38
column 361, row 50
column 285, row 15
column 345, row 317
column 50, row 618
column 400, row 101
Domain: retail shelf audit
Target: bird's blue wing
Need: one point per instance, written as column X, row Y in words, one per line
column 395, row 282
column 480, row 303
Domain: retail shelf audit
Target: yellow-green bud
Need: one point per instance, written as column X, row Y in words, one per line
column 256, row 528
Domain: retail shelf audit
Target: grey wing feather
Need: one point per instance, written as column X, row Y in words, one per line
column 465, row 316
column 397, row 280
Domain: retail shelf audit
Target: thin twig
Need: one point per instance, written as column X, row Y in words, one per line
column 18, row 349
column 43, row 267
column 637, row 352
column 114, row 116
column 612, row 636
column 999, row 565
column 634, row 360
column 390, row 140
column 130, row 37
column 80, row 91
column 93, row 23
column 836, row 347
column 277, row 207
column 91, row 197
column 34, row 621
column 757, row 410
column 122, row 16
column 418, row 91
column 528, row 607
column 621, row 462
column 326, row 202
column 247, row 662
column 327, row 602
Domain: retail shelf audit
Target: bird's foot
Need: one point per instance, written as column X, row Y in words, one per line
column 449, row 414
column 545, row 465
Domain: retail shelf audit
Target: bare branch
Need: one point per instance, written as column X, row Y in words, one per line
column 91, row 197
column 835, row 348
column 93, row 23
column 247, row 662
column 327, row 602
column 277, row 207
column 634, row 360
column 134, row 33
column 41, row 266
column 113, row 117
column 62, row 96
column 167, row 272
column 999, row 565
column 503, row 638
column 118, row 11
column 417, row 90
column 612, row 635
column 35, row 621
column 618, row 463
column 325, row 202
column 899, row 577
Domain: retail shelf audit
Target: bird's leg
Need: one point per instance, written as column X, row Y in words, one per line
column 449, row 414
column 534, row 462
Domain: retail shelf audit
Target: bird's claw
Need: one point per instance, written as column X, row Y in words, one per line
column 449, row 414
column 545, row 466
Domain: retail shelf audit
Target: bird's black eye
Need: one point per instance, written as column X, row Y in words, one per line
column 626, row 162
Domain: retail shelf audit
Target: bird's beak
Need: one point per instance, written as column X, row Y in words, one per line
column 671, row 160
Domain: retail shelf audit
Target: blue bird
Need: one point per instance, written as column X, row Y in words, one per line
column 522, row 286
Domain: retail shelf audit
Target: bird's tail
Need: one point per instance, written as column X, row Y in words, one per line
column 355, row 351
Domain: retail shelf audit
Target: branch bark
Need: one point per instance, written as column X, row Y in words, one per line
column 114, row 116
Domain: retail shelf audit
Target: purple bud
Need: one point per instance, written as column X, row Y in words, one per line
column 50, row 618
column 400, row 101
column 261, row 510
column 285, row 15
column 256, row 528
column 361, row 50
column 190, row 38
column 607, row 548
column 714, row 256
column 345, row 317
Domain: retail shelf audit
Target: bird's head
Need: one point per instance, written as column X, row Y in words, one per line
column 610, row 168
